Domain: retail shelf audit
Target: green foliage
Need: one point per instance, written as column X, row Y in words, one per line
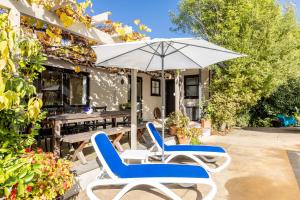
column 286, row 100
column 34, row 175
column 263, row 30
column 21, row 172
column 20, row 62
column 177, row 119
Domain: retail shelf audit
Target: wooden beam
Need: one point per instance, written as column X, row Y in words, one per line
column 99, row 19
column 38, row 12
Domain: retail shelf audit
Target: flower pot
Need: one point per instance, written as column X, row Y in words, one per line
column 173, row 130
column 183, row 139
column 205, row 123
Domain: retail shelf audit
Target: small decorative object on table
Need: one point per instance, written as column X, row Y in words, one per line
column 88, row 110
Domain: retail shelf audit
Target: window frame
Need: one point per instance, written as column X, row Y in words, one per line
column 139, row 79
column 64, row 83
column 186, row 86
column 152, row 89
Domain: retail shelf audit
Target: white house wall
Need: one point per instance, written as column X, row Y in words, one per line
column 149, row 102
column 106, row 89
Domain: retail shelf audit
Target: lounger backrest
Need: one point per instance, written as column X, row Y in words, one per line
column 155, row 135
column 107, row 154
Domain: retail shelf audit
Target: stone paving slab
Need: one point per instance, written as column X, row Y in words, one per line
column 294, row 157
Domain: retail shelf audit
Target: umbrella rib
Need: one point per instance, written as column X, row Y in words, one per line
column 155, row 51
column 188, row 57
column 224, row 51
column 152, row 58
column 169, row 44
column 176, row 50
column 122, row 54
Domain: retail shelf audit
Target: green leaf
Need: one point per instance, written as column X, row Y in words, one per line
column 14, row 168
column 21, row 188
column 11, row 181
column 28, row 177
column 6, row 191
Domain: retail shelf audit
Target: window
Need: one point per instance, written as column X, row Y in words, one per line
column 139, row 89
column 155, row 87
column 77, row 89
column 51, row 88
column 63, row 88
column 192, row 112
column 191, row 87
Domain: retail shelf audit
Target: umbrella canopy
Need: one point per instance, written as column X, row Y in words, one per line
column 162, row 54
column 179, row 53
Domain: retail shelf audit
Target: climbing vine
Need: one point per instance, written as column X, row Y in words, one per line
column 67, row 46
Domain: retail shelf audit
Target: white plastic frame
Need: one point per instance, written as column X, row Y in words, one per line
column 193, row 155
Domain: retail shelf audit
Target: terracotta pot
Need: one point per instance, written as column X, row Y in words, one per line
column 183, row 139
column 205, row 123
column 173, row 130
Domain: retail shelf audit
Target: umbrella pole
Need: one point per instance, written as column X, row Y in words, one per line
column 163, row 102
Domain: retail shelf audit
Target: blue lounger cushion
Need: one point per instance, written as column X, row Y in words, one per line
column 214, row 149
column 121, row 170
column 183, row 147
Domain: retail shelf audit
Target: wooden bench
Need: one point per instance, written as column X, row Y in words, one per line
column 83, row 139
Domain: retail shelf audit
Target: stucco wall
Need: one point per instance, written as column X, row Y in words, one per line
column 106, row 89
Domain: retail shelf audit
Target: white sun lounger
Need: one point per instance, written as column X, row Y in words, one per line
column 154, row 175
column 198, row 153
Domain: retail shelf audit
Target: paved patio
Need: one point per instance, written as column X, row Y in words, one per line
column 260, row 169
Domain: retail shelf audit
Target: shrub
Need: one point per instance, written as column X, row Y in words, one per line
column 286, row 100
column 24, row 173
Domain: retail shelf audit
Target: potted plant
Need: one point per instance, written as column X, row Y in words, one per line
column 175, row 121
column 185, row 134
column 206, row 119
column 206, row 123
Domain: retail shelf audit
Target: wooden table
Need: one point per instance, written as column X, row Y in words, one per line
column 58, row 120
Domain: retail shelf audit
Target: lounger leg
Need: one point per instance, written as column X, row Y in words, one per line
column 209, row 160
column 212, row 193
column 201, row 163
column 221, row 167
column 159, row 186
column 128, row 187
column 197, row 160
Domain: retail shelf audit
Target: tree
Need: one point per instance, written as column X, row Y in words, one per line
column 262, row 29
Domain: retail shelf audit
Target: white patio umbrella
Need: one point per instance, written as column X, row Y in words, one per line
column 162, row 54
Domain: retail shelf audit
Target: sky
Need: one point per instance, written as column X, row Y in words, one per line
column 153, row 13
